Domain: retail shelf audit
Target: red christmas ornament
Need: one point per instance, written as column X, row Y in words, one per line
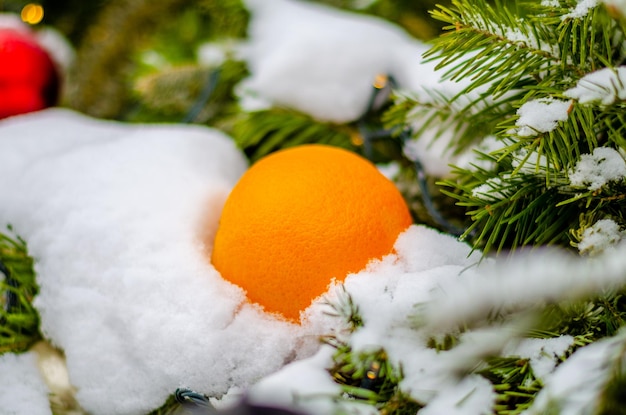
column 29, row 79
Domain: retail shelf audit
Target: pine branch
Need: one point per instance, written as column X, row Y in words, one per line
column 19, row 321
column 510, row 211
column 491, row 46
column 516, row 57
column 262, row 132
column 514, row 383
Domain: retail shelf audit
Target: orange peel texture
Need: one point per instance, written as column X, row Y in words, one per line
column 301, row 217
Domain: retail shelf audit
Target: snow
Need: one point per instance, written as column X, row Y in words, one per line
column 523, row 34
column 320, row 60
column 487, row 191
column 605, row 86
column 597, row 169
column 473, row 395
column 22, row 388
column 115, row 216
column 389, row 170
column 304, row 384
column 386, row 293
column 601, row 235
column 433, row 151
column 581, row 10
column 475, row 159
column 575, row 387
column 541, row 116
column 119, row 219
column 327, row 64
column 543, row 354
column 528, row 279
column 529, row 161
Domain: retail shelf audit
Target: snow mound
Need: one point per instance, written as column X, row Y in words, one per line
column 115, row 216
column 322, row 61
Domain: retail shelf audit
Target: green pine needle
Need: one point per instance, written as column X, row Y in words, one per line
column 514, row 52
column 19, row 322
column 263, row 132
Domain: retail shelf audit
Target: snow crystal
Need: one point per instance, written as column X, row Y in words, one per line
column 550, row 3
column 597, row 169
column 602, row 235
column 516, row 35
column 581, row 10
column 22, row 389
column 604, row 85
column 543, row 354
column 326, row 64
column 541, row 116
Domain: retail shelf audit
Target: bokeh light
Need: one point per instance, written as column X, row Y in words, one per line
column 32, row 13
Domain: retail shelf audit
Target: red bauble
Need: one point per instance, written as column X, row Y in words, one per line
column 29, row 80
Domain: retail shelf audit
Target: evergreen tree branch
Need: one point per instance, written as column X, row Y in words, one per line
column 19, row 320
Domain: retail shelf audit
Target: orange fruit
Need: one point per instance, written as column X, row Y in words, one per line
column 301, row 217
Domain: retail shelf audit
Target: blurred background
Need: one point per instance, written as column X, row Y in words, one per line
column 124, row 46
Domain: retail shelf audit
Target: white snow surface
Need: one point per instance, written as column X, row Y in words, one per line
column 605, row 86
column 115, row 216
column 323, row 61
column 598, row 168
column 22, row 388
column 541, row 116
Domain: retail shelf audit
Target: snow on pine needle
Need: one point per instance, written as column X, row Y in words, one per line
column 110, row 213
column 415, row 313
